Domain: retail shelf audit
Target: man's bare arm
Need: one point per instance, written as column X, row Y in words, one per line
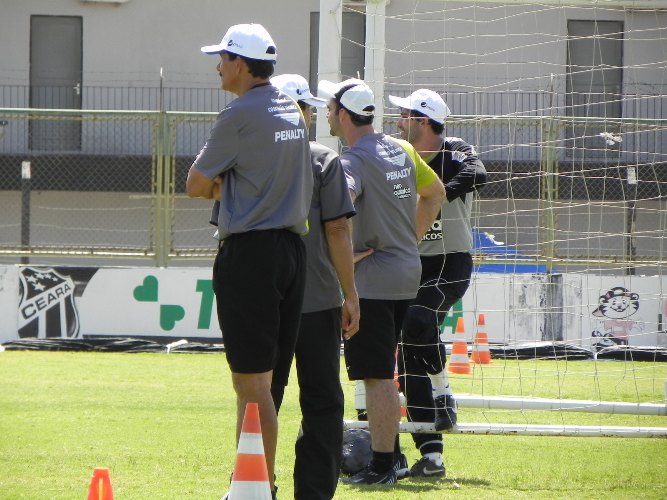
column 357, row 255
column 337, row 234
column 198, row 185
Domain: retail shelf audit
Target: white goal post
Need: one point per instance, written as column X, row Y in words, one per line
column 529, row 430
column 536, row 404
column 580, row 142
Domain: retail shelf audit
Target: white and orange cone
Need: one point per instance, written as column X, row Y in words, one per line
column 401, row 396
column 100, row 485
column 480, row 348
column 251, row 478
column 458, row 361
column 360, row 396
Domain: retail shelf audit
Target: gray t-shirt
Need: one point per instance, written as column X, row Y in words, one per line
column 463, row 173
column 259, row 144
column 331, row 200
column 384, row 180
column 451, row 232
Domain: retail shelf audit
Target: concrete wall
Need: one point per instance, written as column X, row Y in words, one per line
column 127, row 44
column 516, row 47
column 488, row 47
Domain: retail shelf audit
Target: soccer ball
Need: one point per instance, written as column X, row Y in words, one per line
column 357, row 451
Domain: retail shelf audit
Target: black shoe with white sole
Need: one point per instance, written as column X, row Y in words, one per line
column 369, row 476
column 426, row 467
column 401, row 466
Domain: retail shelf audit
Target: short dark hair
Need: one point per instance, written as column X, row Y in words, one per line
column 256, row 67
column 303, row 105
column 355, row 118
column 437, row 127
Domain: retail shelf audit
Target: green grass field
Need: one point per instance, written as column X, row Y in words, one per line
column 164, row 425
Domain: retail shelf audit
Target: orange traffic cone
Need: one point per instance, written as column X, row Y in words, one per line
column 100, row 485
column 401, row 396
column 360, row 396
column 480, row 348
column 251, row 477
column 458, row 361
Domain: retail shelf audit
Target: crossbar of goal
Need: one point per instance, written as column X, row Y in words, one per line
column 537, row 404
column 527, row 429
column 541, row 404
column 571, row 405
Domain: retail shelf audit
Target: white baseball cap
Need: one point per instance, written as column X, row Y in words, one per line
column 358, row 97
column 297, row 88
column 247, row 40
column 424, row 101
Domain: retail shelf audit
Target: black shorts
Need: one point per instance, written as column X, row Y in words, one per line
column 258, row 279
column 317, row 350
column 371, row 353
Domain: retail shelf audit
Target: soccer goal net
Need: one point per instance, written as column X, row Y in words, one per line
column 565, row 103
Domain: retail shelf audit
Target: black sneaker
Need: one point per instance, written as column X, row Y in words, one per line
column 369, row 476
column 401, row 467
column 427, row 468
column 445, row 412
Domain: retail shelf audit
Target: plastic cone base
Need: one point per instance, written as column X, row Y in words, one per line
column 100, row 485
column 460, row 368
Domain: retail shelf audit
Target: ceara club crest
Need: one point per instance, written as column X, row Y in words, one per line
column 46, row 305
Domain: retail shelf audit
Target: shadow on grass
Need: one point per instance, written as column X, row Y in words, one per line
column 423, row 484
column 458, row 482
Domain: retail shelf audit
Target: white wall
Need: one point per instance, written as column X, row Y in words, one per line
column 490, row 46
column 126, row 44
column 515, row 47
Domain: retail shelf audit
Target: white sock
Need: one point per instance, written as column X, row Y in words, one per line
column 435, row 457
column 440, row 384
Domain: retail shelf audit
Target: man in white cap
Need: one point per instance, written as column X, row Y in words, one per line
column 446, row 270
column 256, row 161
column 397, row 197
column 330, row 270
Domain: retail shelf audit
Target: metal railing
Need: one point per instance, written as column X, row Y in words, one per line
column 110, row 184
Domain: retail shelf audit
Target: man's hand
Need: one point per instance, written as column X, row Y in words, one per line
column 362, row 255
column 350, row 317
column 337, row 234
column 198, row 185
column 218, row 182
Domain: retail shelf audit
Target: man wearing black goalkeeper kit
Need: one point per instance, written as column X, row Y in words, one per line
column 446, row 271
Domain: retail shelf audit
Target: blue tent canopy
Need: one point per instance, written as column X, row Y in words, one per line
column 485, row 246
